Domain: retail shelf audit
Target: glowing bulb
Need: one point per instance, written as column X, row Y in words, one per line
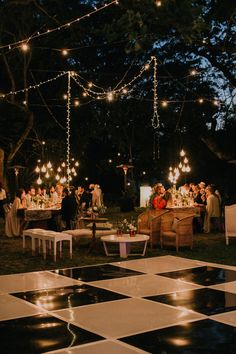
column 49, row 165
column 63, row 164
column 39, row 181
column 180, row 165
column 125, row 91
column 43, row 169
column 184, row 168
column 37, row 169
column 47, row 175
column 144, row 172
column 182, row 152
column 90, row 84
column 146, row 66
column 164, row 103
column 118, row 154
column 158, row 3
column 188, row 169
column 24, row 102
column 185, row 160
column 85, row 94
column 64, row 52
column 193, row 72
column 170, row 168
column 43, row 142
column 57, row 177
column 59, row 169
column 75, row 174
column 200, row 100
column 216, row 103
column 110, row 161
column 110, row 96
column 86, row 178
column 25, row 47
column 65, row 97
column 77, row 164
column 76, row 103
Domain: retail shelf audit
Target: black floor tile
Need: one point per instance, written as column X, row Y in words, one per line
column 205, row 300
column 100, row 272
column 41, row 333
column 200, row 337
column 69, row 296
column 203, row 275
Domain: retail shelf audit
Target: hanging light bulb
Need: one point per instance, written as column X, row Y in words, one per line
column 57, row 177
column 188, row 169
column 59, row 169
column 184, row 168
column 37, row 170
column 76, row 163
column 47, row 175
column 182, row 152
column 185, row 160
column 49, row 165
column 180, row 165
column 63, row 164
column 39, row 181
column 43, row 169
column 73, row 170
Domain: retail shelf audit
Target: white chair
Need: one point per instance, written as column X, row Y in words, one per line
column 230, row 222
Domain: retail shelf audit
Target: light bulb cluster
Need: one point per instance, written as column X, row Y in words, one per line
column 184, row 167
column 173, row 175
column 24, row 43
column 184, row 162
column 60, row 174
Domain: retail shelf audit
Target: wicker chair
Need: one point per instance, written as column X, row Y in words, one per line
column 176, row 232
column 149, row 223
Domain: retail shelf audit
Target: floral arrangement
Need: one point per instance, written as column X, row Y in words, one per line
column 96, row 210
column 127, row 227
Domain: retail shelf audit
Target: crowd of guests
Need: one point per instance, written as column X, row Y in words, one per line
column 206, row 197
column 72, row 202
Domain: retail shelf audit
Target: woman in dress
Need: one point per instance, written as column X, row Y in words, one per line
column 14, row 223
column 157, row 200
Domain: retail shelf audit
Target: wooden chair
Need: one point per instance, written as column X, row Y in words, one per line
column 149, row 223
column 230, row 222
column 176, row 232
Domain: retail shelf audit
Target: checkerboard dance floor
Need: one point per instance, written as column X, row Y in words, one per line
column 154, row 305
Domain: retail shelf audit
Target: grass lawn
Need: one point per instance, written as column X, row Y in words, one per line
column 207, row 247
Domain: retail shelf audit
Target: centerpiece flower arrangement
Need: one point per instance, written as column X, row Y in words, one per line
column 95, row 211
column 126, row 227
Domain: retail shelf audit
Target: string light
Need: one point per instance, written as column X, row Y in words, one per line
column 155, row 117
column 22, row 42
column 25, row 47
column 164, row 103
column 68, row 129
column 64, row 52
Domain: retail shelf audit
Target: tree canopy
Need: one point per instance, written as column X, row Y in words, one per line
column 194, row 44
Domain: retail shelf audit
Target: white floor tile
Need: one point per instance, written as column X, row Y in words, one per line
column 12, row 307
column 227, row 318
column 144, row 285
column 103, row 347
column 159, row 264
column 125, row 317
column 33, row 281
column 230, row 287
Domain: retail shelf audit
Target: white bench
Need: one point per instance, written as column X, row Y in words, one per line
column 87, row 233
column 52, row 237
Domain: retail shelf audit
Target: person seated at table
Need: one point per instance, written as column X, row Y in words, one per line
column 53, row 195
column 68, row 208
column 14, row 223
column 29, row 197
column 157, row 200
column 199, row 202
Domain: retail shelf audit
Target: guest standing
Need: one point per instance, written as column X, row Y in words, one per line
column 212, row 209
column 3, row 198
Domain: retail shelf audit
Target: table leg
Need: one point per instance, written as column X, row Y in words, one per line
column 123, row 249
column 44, row 248
column 54, row 250
column 60, row 248
column 144, row 248
column 70, row 248
column 33, row 245
column 23, row 238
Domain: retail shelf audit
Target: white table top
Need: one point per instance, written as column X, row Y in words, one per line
column 126, row 238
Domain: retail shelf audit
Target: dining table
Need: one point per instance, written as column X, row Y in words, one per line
column 45, row 218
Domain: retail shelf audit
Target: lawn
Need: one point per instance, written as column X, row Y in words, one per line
column 207, row 247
